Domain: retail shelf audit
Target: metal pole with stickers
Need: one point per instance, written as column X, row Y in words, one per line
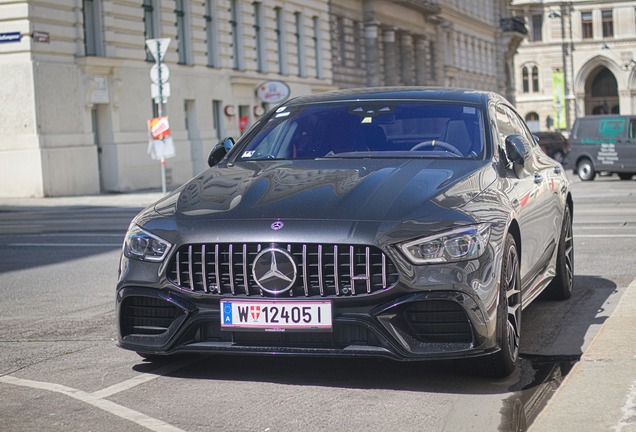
column 160, row 144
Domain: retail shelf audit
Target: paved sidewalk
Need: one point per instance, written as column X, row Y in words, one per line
column 133, row 199
column 599, row 393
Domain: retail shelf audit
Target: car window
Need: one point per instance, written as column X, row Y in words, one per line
column 368, row 129
column 504, row 125
column 521, row 127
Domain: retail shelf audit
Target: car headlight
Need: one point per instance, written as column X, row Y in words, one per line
column 141, row 245
column 460, row 244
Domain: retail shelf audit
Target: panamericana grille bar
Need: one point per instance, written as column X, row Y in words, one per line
column 322, row 270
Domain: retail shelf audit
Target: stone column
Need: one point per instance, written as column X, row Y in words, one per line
column 422, row 61
column 408, row 62
column 391, row 76
column 371, row 44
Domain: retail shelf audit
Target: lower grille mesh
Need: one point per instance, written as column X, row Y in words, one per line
column 439, row 321
column 322, row 270
column 147, row 315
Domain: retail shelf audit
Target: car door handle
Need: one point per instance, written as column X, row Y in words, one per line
column 558, row 169
column 538, row 178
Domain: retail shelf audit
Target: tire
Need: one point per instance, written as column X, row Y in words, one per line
column 625, row 176
column 561, row 286
column 502, row 363
column 585, row 169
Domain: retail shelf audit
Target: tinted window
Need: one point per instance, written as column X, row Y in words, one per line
column 369, row 129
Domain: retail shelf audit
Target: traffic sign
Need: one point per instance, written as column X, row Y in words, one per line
column 158, row 47
column 154, row 73
column 165, row 90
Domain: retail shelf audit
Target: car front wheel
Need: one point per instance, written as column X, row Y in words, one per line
column 585, row 169
column 503, row 362
column 561, row 286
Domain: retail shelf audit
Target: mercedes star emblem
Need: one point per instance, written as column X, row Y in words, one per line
column 274, row 270
column 277, row 225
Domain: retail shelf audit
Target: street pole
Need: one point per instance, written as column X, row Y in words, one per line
column 566, row 87
column 160, row 114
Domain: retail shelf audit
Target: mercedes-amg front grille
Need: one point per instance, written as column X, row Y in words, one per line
column 321, row 270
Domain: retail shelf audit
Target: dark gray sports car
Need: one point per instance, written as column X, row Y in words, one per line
column 408, row 223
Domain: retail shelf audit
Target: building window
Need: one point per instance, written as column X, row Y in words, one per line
column 317, row 46
column 608, row 23
column 340, row 27
column 535, row 79
column 259, row 34
column 300, row 43
column 211, row 33
column 92, row 28
column 358, row 43
column 587, row 28
column 532, row 120
column 183, row 45
column 237, row 46
column 217, row 119
column 280, row 41
column 530, row 75
column 537, row 25
column 151, row 24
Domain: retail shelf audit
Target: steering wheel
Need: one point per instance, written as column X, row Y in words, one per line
column 438, row 143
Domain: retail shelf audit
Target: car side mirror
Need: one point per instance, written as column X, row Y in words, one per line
column 516, row 149
column 220, row 150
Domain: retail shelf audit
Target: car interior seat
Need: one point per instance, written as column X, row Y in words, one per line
column 461, row 134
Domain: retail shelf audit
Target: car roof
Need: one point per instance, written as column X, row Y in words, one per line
column 399, row 93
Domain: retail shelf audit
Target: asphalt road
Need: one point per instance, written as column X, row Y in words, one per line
column 60, row 369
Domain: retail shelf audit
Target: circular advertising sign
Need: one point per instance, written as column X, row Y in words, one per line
column 272, row 91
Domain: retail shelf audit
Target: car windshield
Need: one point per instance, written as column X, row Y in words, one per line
column 368, row 129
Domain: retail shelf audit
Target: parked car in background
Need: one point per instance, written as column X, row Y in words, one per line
column 604, row 144
column 555, row 145
column 405, row 223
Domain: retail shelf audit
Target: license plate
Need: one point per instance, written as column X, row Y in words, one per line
column 275, row 315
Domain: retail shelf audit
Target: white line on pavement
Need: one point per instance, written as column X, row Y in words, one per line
column 605, row 235
column 97, row 399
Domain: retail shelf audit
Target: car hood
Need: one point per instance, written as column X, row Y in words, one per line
column 330, row 189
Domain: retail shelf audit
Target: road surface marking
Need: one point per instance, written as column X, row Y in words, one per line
column 97, row 399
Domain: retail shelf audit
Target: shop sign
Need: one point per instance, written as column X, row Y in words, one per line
column 272, row 91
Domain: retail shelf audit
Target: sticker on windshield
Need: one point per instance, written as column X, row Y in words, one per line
column 281, row 109
column 248, row 154
column 283, row 114
column 470, row 110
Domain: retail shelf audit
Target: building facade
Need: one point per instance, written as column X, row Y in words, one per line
column 453, row 43
column 579, row 59
column 77, row 85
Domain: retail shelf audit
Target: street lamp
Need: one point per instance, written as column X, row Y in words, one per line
column 566, row 51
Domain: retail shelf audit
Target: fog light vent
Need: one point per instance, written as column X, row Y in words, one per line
column 147, row 315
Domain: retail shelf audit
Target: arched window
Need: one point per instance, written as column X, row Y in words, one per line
column 532, row 120
column 535, row 79
column 524, row 78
